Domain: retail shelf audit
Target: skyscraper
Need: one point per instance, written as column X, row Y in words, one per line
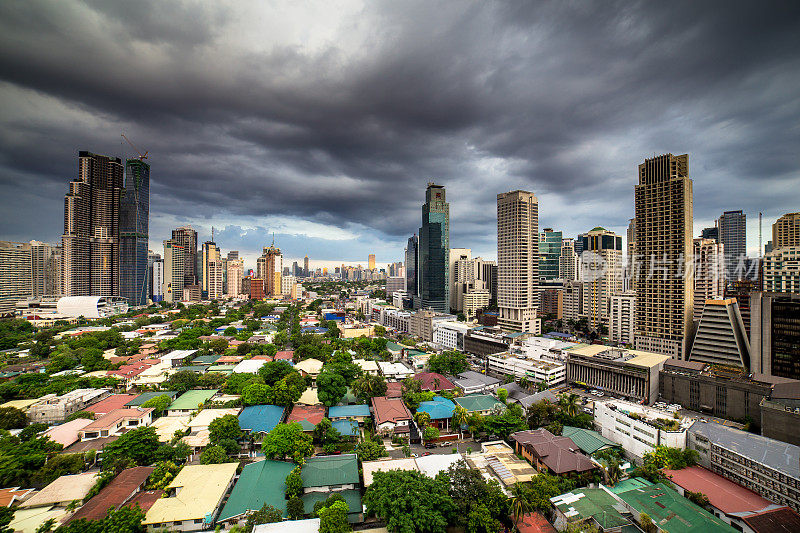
column 151, row 259
column 16, row 281
column 549, row 253
column 579, row 244
column 709, row 273
column 134, row 233
column 461, row 270
column 235, row 275
column 775, row 334
column 601, row 273
column 786, row 231
column 732, row 226
column 663, row 284
column 268, row 268
column 174, row 276
column 46, row 263
column 233, row 255
column 412, row 266
column 305, row 267
column 569, row 265
column 371, row 262
column 434, row 250
column 186, row 237
column 210, row 254
column 518, row 260
column 91, row 227
column 631, row 238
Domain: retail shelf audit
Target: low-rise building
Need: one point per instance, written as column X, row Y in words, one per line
column 52, row 408
column 395, row 370
column 308, row 416
column 117, row 422
column 550, row 453
column 189, row 401
column 391, row 415
column 432, row 381
column 120, row 492
column 483, row 341
column 483, row 404
column 521, row 366
column 332, row 474
column 260, row 419
column 358, row 412
column 593, row 506
column 309, row 367
column 429, row 465
column 260, row 483
column 450, row 334
column 440, row 410
column 471, row 382
column 780, row 414
column 497, row 460
column 367, row 366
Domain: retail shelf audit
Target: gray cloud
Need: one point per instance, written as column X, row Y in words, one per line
column 341, row 118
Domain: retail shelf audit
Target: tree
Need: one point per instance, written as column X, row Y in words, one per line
column 519, row 504
column 128, row 519
column 12, row 418
column 569, row 403
column 326, row 435
column 256, row 394
column 333, row 519
column 448, row 363
column 136, row 447
column 224, row 427
column 369, row 450
column 369, row 386
column 408, row 501
column 288, row 440
column 236, row 383
column 214, row 455
column 504, row 424
column 158, row 403
column 698, row 498
column 502, row 394
column 266, row 515
column 181, row 381
column 274, row 371
column 430, row 433
column 295, row 508
column 218, row 346
column 470, row 491
column 480, row 520
column 162, row 475
column 6, row 516
column 331, row 387
column 460, row 416
column 294, row 483
column 289, row 389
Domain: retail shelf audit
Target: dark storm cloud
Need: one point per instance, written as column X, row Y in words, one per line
column 244, row 120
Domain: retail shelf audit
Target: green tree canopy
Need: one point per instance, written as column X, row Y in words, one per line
column 331, row 387
column 224, row 427
column 12, row 418
column 409, row 501
column 214, row 455
column 256, row 394
column 158, row 403
column 448, row 363
column 288, row 441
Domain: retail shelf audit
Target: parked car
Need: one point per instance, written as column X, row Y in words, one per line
column 429, row 445
column 426, row 454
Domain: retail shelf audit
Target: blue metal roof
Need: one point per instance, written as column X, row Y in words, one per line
column 260, row 418
column 438, row 409
column 348, row 428
column 346, row 411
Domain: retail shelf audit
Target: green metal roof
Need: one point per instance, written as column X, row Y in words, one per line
column 587, row 440
column 629, row 484
column 477, row 402
column 330, row 470
column 261, row 482
column 145, row 396
column 191, row 399
column 672, row 512
column 588, row 503
column 351, row 497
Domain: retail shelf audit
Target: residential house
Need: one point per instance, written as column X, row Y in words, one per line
column 120, row 492
column 189, row 402
column 53, row 409
column 550, row 453
column 326, row 475
column 117, row 422
column 440, row 410
column 471, row 382
column 307, row 416
column 391, row 415
column 260, row 483
column 483, row 404
column 432, row 381
column 259, row 419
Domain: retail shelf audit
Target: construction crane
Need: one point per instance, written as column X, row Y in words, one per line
column 760, row 249
column 142, row 156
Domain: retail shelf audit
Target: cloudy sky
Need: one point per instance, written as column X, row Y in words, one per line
column 323, row 121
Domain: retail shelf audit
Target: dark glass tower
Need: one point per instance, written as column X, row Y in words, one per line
column 134, row 233
column 412, row 260
column 549, row 253
column 434, row 251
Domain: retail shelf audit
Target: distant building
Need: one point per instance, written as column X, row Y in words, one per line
column 550, row 243
column 622, row 317
column 720, row 337
column 601, row 273
column 215, row 282
column 174, row 274
column 16, row 281
column 235, row 275
column 134, row 233
column 709, row 273
column 434, row 249
column 412, row 267
column 733, row 236
column 775, row 334
column 710, row 233
column 394, row 284
column 461, row 272
column 268, row 268
column 782, row 270
column 569, row 264
column 186, row 238
column 553, row 302
column 46, row 263
column 572, row 300
column 786, row 231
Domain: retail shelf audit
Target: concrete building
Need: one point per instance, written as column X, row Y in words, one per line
column 569, row 264
column 629, row 373
column 46, row 264
column 732, row 226
column 664, row 293
column 412, row 267
column 134, row 233
column 450, row 334
column 269, row 268
column 550, row 243
column 486, row 277
column 518, row 260
column 421, row 323
column 709, row 273
column 639, row 429
column 371, row 262
column 474, row 300
column 235, row 274
column 395, row 284
column 186, row 238
column 215, row 282
column 157, row 280
column 775, row 334
column 720, row 337
column 520, row 366
column 91, row 227
column 174, row 274
column 210, row 254
column 622, row 318
column 782, row 270
column 461, row 271
column 16, row 275
column 767, row 467
column 484, row 341
column 552, row 302
column 434, row 251
column 786, row 231
column 92, row 306
column 601, row 273
column 780, row 413
column 572, row 300
column 54, row 409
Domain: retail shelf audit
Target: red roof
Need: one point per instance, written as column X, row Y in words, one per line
column 121, row 489
column 286, row 355
column 311, row 413
column 780, row 520
column 534, row 523
column 722, row 493
column 229, row 359
column 261, row 358
column 110, row 403
column 394, row 389
column 145, row 499
column 12, row 495
column 389, row 410
column 434, row 382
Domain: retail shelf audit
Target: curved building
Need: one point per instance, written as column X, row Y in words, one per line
column 92, row 306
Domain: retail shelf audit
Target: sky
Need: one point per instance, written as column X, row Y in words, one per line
column 322, row 122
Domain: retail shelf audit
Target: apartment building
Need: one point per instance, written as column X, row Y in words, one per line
column 537, row 370
column 52, row 408
column 622, row 318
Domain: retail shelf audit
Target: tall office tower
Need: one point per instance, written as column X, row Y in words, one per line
column 174, row 275
column 518, row 261
column 732, row 226
column 775, row 334
column 663, row 284
column 569, row 264
column 91, row 227
column 710, row 233
column 709, row 273
column 186, row 237
column 434, row 251
column 601, row 273
column 573, row 300
column 631, row 238
column 486, row 277
column 741, row 290
column 306, row 271
column 371, row 262
column 295, row 269
column 157, row 280
column 210, row 252
column 235, row 276
column 233, row 255
column 16, row 275
column 412, row 266
column 461, row 270
column 46, row 269
column 268, row 268
column 621, row 318
column 152, row 258
column 549, row 253
column 215, row 279
column 768, row 247
column 579, row 244
column 781, row 270
column 786, row 231
column 134, row 233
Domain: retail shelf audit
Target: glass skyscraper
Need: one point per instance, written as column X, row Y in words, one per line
column 134, row 233
column 549, row 253
column 412, row 259
column 434, row 251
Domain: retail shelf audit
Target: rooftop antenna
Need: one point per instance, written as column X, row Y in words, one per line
column 273, row 239
column 760, row 250
column 212, row 233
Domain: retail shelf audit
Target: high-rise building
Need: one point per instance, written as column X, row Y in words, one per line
column 781, row 270
column 371, row 262
column 157, row 280
column 569, row 264
column 573, row 300
column 720, row 337
column 134, row 233
column 306, row 271
column 434, row 251
column 518, row 261
column 268, row 268
column 621, row 318
column 710, row 233
column 709, row 273
column 210, row 254
column 186, row 237
column 16, row 275
column 46, row 263
column 215, row 279
column 91, row 227
column 235, row 275
column 233, row 255
column 631, row 238
column 174, row 276
column 549, row 253
column 461, row 270
column 663, row 284
column 732, row 226
column 775, row 334
column 412, row 266
column 579, row 244
column 152, row 258
column 601, row 273
column 486, row 277
column 786, row 231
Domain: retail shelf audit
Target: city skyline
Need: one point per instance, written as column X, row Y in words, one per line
column 571, row 131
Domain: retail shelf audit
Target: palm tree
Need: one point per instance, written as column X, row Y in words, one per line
column 569, row 403
column 460, row 416
column 519, row 504
column 612, row 472
column 524, row 382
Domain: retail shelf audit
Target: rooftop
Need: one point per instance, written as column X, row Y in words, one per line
column 534, row 523
column 559, row 454
column 389, row 410
column 330, row 470
column 63, row 489
column 723, row 494
column 260, row 418
column 585, row 503
column 67, row 433
column 478, row 402
column 430, row 465
column 116, row 493
column 346, row 411
column 110, row 403
column 206, row 416
column 781, row 520
column 191, row 400
column 630, row 357
column 111, row 419
column 432, row 381
column 499, row 459
column 307, row 415
column 145, row 396
column 587, row 440
column 309, row 525
column 439, row 408
column 259, row 483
